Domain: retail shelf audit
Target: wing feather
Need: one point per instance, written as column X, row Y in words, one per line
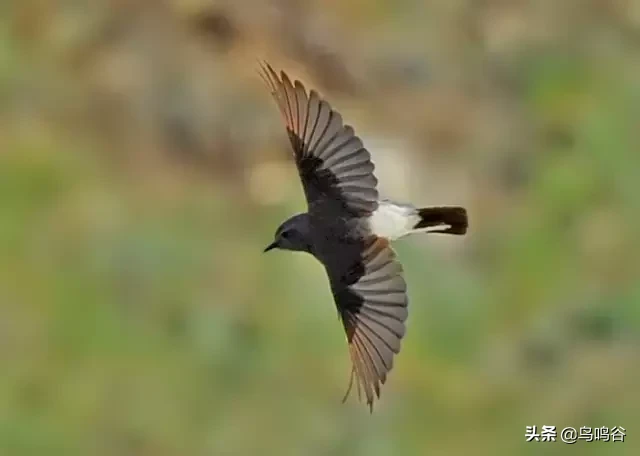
column 373, row 309
column 335, row 169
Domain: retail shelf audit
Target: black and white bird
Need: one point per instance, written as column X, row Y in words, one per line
column 348, row 228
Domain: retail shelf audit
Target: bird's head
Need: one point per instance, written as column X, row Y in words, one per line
column 293, row 234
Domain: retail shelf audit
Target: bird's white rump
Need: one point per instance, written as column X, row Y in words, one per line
column 394, row 220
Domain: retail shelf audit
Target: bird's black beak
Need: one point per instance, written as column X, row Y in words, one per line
column 271, row 246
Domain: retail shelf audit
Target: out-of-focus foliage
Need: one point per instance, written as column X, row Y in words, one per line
column 143, row 167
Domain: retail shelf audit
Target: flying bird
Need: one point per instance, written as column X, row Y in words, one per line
column 348, row 228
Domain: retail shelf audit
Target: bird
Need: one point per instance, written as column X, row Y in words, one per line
column 349, row 228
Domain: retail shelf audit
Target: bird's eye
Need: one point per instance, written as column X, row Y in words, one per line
column 286, row 234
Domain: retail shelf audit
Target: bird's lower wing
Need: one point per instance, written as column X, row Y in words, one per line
column 373, row 309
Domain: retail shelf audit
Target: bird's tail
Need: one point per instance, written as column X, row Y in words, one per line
column 449, row 220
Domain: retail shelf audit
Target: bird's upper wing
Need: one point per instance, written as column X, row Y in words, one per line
column 372, row 302
column 335, row 168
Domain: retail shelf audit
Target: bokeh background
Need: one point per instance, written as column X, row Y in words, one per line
column 143, row 167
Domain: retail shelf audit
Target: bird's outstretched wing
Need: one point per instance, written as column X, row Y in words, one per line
column 371, row 297
column 335, row 168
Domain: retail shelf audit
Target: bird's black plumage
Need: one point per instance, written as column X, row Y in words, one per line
column 337, row 176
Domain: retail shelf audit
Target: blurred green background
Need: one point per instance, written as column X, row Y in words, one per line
column 143, row 167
